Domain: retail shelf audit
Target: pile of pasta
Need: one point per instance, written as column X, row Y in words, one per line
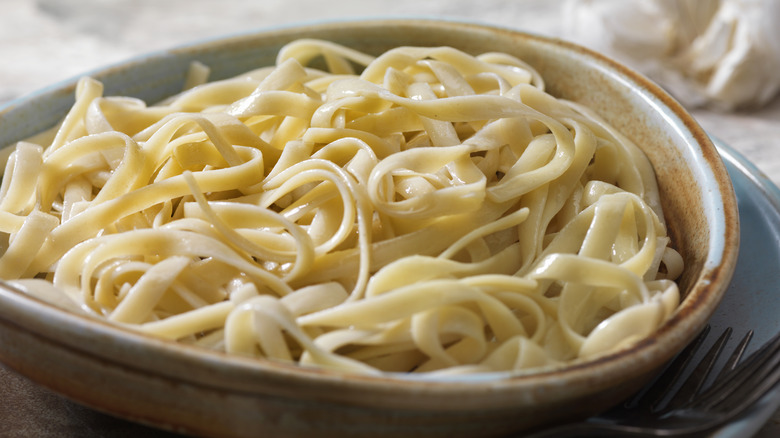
column 422, row 211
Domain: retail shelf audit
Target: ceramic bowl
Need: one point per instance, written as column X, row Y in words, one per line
column 208, row 393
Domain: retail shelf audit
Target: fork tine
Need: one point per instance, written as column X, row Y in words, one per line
column 747, row 395
column 757, row 372
column 740, row 388
column 740, row 401
column 733, row 360
column 698, row 376
column 660, row 387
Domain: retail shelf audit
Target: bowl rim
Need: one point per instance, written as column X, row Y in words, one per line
column 707, row 289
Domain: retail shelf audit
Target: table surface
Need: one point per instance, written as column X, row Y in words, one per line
column 45, row 41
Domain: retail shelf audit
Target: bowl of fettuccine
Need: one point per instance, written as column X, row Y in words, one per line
column 364, row 228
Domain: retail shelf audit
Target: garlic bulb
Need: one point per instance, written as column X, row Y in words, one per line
column 718, row 53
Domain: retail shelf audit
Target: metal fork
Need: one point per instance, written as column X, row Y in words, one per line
column 673, row 405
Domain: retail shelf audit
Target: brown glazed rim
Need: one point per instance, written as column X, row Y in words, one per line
column 265, row 377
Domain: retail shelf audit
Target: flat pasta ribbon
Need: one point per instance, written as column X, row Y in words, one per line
column 425, row 210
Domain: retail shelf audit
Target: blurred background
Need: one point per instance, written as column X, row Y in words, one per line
column 721, row 58
column 43, row 41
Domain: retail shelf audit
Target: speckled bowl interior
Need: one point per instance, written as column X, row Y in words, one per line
column 207, row 393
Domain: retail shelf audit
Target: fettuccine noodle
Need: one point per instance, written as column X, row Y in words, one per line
column 422, row 211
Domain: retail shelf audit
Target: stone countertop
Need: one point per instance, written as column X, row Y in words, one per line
column 45, row 41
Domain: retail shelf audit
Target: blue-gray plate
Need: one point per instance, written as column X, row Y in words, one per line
column 752, row 301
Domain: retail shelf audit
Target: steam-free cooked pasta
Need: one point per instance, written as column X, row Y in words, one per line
column 424, row 211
